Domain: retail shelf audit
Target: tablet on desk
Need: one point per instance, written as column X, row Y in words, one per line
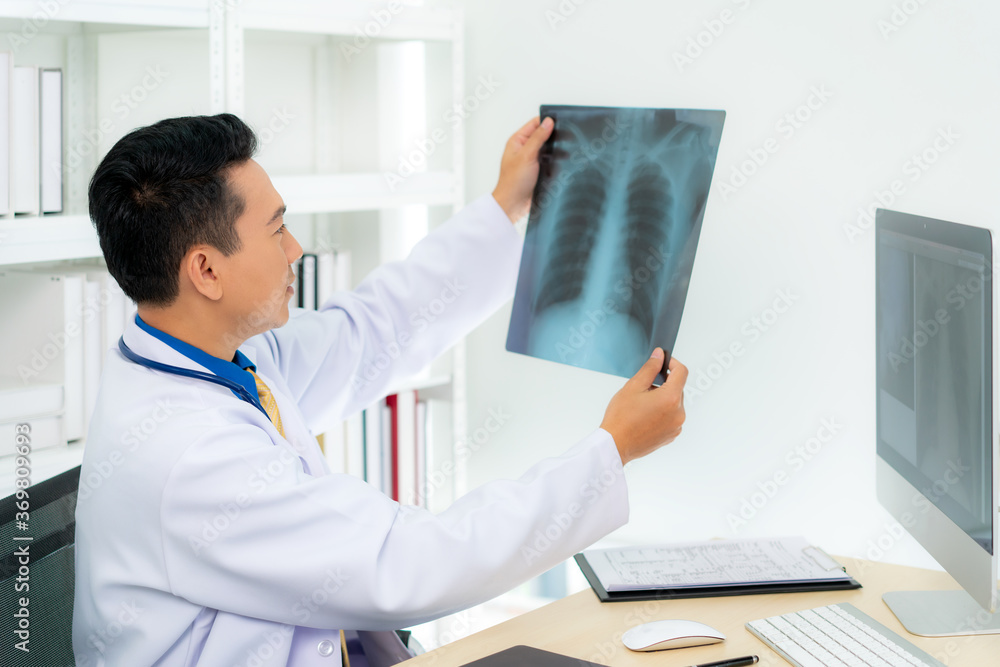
column 527, row 656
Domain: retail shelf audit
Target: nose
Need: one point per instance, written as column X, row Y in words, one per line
column 293, row 251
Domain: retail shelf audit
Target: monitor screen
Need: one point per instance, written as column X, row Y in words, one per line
column 934, row 360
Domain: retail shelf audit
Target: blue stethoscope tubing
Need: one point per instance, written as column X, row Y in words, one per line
column 238, row 389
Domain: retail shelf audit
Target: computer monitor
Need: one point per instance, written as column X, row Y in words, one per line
column 936, row 412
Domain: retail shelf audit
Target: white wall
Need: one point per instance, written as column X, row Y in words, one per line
column 889, row 96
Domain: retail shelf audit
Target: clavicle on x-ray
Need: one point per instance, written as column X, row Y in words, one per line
column 612, row 234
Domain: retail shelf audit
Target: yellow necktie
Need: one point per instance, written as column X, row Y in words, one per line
column 268, row 403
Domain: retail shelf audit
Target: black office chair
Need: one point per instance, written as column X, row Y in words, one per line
column 51, row 526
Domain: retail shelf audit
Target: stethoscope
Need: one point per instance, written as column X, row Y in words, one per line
column 235, row 387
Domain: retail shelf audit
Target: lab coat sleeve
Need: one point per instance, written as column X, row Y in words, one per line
column 332, row 552
column 403, row 315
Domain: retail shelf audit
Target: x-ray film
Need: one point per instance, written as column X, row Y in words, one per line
column 611, row 237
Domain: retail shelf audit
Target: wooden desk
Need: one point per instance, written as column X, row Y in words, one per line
column 582, row 627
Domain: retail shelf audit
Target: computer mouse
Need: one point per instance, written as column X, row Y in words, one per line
column 671, row 633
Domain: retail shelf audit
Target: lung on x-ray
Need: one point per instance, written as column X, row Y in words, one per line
column 611, row 237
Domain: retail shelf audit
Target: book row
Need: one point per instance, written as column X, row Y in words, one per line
column 31, row 138
column 387, row 444
column 51, row 373
column 60, row 326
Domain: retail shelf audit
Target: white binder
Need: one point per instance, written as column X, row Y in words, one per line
column 25, row 148
column 50, row 102
column 6, row 131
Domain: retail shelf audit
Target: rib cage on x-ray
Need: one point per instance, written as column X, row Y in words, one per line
column 612, row 235
column 647, row 201
column 576, row 233
column 632, row 187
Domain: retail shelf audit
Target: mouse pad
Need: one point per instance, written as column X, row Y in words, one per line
column 614, row 224
column 527, row 656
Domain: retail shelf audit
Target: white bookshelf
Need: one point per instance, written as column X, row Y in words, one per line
column 47, row 239
column 332, row 193
column 433, row 386
column 411, row 21
column 149, row 13
column 217, row 56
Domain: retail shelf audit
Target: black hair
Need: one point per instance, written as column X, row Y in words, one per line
column 163, row 189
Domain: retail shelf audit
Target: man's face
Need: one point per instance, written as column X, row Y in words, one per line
column 258, row 278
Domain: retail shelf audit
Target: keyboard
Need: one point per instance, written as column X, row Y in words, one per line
column 839, row 635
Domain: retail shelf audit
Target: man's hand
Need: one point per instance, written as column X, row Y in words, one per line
column 519, row 168
column 642, row 418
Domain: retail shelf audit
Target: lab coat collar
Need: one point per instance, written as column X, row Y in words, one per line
column 220, row 366
column 158, row 345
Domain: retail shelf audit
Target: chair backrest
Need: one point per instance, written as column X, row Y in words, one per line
column 44, row 575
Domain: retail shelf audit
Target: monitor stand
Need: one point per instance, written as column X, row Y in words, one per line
column 941, row 613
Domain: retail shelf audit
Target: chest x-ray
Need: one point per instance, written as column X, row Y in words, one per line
column 611, row 238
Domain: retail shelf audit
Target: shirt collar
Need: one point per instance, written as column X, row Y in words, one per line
column 235, row 370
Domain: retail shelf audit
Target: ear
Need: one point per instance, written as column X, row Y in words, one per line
column 199, row 269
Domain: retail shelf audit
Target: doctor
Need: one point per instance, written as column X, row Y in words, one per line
column 209, row 529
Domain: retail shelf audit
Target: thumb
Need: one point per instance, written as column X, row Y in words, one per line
column 643, row 379
column 538, row 137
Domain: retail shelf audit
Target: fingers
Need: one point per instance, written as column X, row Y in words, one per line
column 538, row 137
column 645, row 376
column 678, row 373
column 525, row 132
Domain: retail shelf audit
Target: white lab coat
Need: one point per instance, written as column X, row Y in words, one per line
column 201, row 539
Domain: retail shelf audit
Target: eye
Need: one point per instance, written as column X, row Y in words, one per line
column 280, row 229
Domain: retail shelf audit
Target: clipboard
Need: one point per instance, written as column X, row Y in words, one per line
column 715, row 590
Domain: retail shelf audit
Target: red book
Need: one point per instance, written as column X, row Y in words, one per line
column 392, row 404
column 420, row 439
